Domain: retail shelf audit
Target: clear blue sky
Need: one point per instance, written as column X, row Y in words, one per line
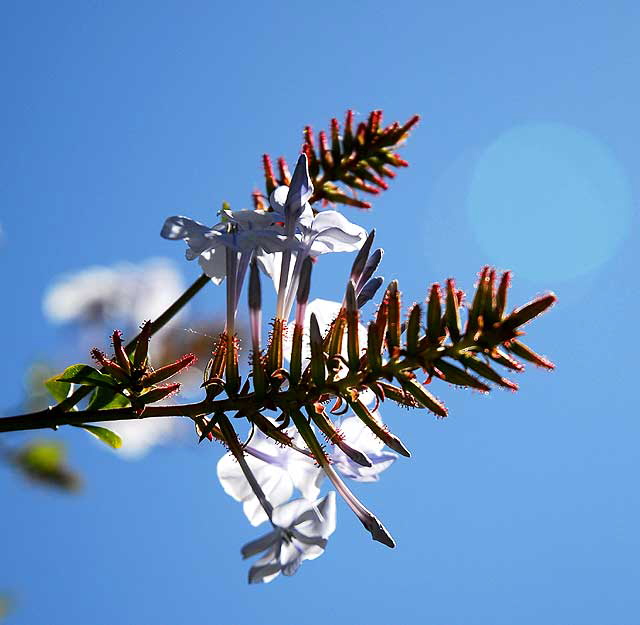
column 519, row 508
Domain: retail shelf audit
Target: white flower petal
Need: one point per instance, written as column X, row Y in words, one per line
column 290, row 558
column 278, row 198
column 232, row 479
column 287, row 514
column 273, row 479
column 307, row 478
column 214, row 264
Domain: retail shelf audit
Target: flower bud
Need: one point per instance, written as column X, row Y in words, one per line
column 486, row 371
column 477, row 306
column 505, row 360
column 304, row 284
column 393, row 330
column 501, row 296
column 283, row 169
column 110, row 367
column 353, row 318
column 158, row 393
column 459, row 377
column 452, row 311
column 413, row 329
column 269, row 429
column 164, row 373
column 356, row 183
column 270, row 179
column 374, row 347
column 340, row 198
column 371, row 523
column 336, row 152
column 389, row 439
column 274, row 351
column 398, row 395
column 526, row 313
column 435, row 331
column 317, row 356
column 325, row 155
column 370, row 266
column 526, row 353
column 327, row 427
column 361, row 258
column 422, row 396
column 121, row 356
column 369, row 290
column 232, row 385
column 347, row 136
column 142, row 346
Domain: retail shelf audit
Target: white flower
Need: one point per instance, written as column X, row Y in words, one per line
column 301, row 529
column 257, row 231
column 120, row 293
column 331, row 231
column 360, row 437
column 277, row 469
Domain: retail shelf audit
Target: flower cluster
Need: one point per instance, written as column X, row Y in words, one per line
column 323, row 358
column 311, row 397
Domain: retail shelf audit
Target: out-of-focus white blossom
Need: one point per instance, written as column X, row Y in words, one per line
column 139, row 435
column 123, row 293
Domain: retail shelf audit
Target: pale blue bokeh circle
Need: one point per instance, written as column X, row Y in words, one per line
column 550, row 201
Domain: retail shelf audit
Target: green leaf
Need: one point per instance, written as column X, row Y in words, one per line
column 44, row 461
column 43, row 456
column 88, row 376
column 59, row 390
column 105, row 435
column 104, row 398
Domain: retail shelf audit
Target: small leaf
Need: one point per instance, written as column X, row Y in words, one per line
column 44, row 461
column 105, row 398
column 105, row 435
column 59, row 390
column 88, row 376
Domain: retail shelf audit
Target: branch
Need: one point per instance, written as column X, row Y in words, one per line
column 155, row 326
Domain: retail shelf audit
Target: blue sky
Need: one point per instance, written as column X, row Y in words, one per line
column 519, row 508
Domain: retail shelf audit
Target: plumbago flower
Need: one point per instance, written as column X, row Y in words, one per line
column 300, row 532
column 256, row 231
column 360, row 437
column 322, row 365
column 308, row 234
column 277, row 469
